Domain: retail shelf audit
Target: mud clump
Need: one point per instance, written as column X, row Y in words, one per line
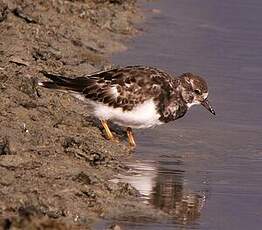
column 55, row 164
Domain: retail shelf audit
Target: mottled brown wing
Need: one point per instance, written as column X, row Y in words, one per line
column 128, row 87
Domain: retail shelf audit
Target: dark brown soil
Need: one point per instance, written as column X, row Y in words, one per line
column 55, row 163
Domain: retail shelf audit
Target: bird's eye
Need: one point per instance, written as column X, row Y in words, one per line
column 197, row 91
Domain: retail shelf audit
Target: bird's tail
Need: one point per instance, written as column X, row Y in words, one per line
column 63, row 83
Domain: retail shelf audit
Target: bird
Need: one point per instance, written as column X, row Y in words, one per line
column 134, row 97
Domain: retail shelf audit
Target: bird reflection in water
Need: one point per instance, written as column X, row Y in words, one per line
column 171, row 195
column 167, row 190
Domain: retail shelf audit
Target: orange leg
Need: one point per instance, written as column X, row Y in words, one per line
column 130, row 136
column 109, row 134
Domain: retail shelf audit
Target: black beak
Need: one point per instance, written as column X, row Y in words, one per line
column 206, row 104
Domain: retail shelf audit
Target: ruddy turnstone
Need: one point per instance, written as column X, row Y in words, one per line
column 134, row 96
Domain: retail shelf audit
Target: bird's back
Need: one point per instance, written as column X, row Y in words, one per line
column 123, row 88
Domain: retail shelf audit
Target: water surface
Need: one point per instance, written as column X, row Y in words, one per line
column 203, row 170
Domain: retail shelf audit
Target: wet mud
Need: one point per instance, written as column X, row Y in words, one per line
column 55, row 163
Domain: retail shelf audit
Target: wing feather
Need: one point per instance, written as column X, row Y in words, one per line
column 123, row 87
column 127, row 87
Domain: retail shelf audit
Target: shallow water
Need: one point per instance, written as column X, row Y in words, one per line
column 204, row 170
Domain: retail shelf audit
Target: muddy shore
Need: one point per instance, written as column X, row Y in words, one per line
column 55, row 163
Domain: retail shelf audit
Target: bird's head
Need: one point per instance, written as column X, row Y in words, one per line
column 194, row 91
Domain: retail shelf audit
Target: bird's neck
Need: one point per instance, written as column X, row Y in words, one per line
column 185, row 92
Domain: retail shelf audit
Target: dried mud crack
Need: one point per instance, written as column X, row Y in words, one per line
column 55, row 163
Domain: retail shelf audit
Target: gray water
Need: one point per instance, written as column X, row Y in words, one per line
column 205, row 171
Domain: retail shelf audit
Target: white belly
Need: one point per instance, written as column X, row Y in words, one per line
column 142, row 116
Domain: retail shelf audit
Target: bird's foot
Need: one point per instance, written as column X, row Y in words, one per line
column 131, row 139
column 109, row 135
column 114, row 139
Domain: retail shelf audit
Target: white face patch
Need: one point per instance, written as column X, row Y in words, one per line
column 192, row 103
column 205, row 95
column 196, row 102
